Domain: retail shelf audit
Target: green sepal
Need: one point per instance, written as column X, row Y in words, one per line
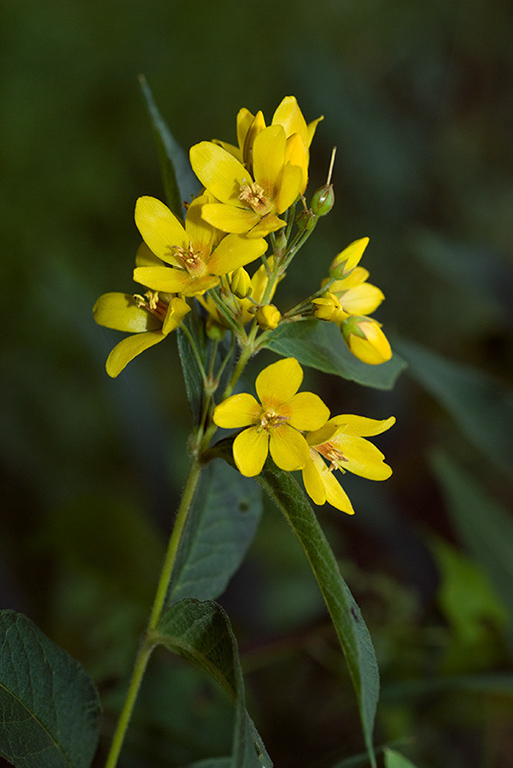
column 49, row 707
column 201, row 633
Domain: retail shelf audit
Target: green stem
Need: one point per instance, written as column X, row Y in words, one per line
column 158, row 606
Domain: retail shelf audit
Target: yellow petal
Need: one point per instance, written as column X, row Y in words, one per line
column 288, row 447
column 256, row 126
column 279, row 382
column 269, row 223
column 291, row 118
column 129, row 348
column 176, row 312
column 290, row 187
column 250, row 450
column 229, row 218
column 237, row 411
column 200, row 233
column 361, row 426
column 362, row 457
column 146, row 258
column 362, row 300
column 170, row 280
column 335, row 494
column 233, row 252
column 269, row 158
column 244, row 120
column 308, row 411
column 312, row 479
column 297, row 154
column 159, row 228
column 218, row 171
column 120, row 312
column 312, row 128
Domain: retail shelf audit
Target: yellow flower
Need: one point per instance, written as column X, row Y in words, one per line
column 149, row 318
column 299, row 135
column 355, row 294
column 273, row 424
column 366, row 340
column 248, row 203
column 342, row 443
column 197, row 254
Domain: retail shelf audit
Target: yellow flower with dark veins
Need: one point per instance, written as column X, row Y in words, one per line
column 249, row 203
column 150, row 318
column 276, row 422
column 196, row 255
column 342, row 443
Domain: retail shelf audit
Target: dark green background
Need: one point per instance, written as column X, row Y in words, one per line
column 418, row 98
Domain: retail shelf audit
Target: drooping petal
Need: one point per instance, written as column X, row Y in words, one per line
column 160, row 229
column 233, row 252
column 290, row 187
column 361, row 426
column 312, row 479
column 335, row 494
column 250, row 450
column 129, row 348
column 269, row 158
column 362, row 457
column 288, row 447
column 237, row 411
column 120, row 312
column 176, row 312
column 229, row 218
column 308, row 411
column 219, row 171
column 279, row 382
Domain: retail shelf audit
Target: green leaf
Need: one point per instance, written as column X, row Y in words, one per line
column 179, row 180
column 481, row 405
column 193, row 378
column 201, row 633
column 320, row 345
column 220, row 527
column 348, row 622
column 484, row 527
column 214, row 762
column 394, row 759
column 49, row 707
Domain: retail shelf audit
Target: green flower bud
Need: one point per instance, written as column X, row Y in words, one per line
column 306, row 221
column 323, row 200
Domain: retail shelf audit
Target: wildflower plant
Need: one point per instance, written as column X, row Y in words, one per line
column 207, row 272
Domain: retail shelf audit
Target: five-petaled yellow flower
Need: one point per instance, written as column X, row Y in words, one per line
column 273, row 424
column 249, row 203
column 342, row 443
column 197, row 254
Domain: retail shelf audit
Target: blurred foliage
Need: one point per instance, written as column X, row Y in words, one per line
column 417, row 97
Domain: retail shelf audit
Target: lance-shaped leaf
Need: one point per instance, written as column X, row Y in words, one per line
column 49, row 707
column 346, row 616
column 192, row 375
column 320, row 345
column 219, row 529
column 179, row 180
column 201, row 633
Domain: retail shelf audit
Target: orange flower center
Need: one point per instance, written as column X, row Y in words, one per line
column 333, row 454
column 254, row 196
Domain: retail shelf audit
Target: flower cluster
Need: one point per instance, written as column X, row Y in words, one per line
column 195, row 267
column 296, row 429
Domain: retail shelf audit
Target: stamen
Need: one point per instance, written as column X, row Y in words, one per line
column 270, row 419
column 254, row 196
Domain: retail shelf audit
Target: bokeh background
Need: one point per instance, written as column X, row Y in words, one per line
column 418, row 98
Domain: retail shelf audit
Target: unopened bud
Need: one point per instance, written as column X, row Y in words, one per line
column 268, row 317
column 346, row 260
column 323, row 200
column 328, row 308
column 366, row 340
column 240, row 283
column 306, row 221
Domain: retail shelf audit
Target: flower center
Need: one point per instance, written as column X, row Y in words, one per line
column 192, row 260
column 333, row 454
column 254, row 196
column 270, row 419
column 152, row 303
